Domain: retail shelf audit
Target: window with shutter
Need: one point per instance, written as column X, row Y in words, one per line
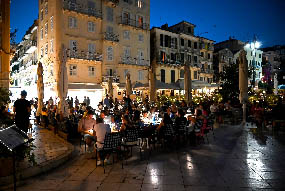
column 110, row 14
column 110, row 53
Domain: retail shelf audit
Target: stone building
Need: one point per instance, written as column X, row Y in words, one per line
column 96, row 40
column 173, row 47
column 24, row 64
column 254, row 56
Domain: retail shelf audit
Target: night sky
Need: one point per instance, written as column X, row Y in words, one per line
column 214, row 19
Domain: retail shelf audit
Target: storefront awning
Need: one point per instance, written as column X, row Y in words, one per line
column 87, row 86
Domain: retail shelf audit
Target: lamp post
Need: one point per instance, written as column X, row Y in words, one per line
column 253, row 46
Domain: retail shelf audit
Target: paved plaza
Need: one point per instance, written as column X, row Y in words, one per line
column 236, row 159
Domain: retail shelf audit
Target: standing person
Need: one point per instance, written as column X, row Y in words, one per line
column 87, row 101
column 22, row 110
column 106, row 101
column 76, row 102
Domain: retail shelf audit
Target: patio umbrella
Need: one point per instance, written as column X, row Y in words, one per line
column 40, row 88
column 187, row 83
column 62, row 85
column 152, row 86
column 243, row 81
column 128, row 84
column 110, row 86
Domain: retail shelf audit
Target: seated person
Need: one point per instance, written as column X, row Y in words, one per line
column 86, row 126
column 180, row 120
column 100, row 131
column 126, row 124
column 165, row 121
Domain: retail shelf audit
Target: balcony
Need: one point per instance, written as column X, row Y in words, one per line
column 133, row 23
column 113, row 3
column 83, row 55
column 111, row 37
column 116, row 79
column 71, row 6
column 134, row 61
column 31, row 47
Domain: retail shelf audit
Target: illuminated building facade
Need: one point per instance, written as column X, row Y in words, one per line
column 4, row 43
column 254, row 56
column 24, row 64
column 100, row 39
column 176, row 46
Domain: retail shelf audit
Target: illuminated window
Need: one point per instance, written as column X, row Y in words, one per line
column 46, row 49
column 140, row 21
column 42, row 51
column 46, row 9
column 91, row 27
column 42, row 15
column 72, row 22
column 91, row 71
column 46, row 29
column 126, row 35
column 72, row 69
column 51, row 46
column 139, row 3
column 110, row 53
column 42, row 33
column 51, row 23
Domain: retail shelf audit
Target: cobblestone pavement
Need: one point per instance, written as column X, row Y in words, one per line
column 236, row 160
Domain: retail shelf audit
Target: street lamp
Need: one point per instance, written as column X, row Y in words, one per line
column 253, row 46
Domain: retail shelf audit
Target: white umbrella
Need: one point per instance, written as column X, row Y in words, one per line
column 243, row 81
column 40, row 88
column 62, row 85
column 128, row 84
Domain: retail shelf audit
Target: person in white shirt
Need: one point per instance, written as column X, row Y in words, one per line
column 100, row 131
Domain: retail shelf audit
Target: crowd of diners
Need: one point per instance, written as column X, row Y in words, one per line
column 118, row 116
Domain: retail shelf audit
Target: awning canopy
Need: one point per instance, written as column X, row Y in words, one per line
column 88, row 86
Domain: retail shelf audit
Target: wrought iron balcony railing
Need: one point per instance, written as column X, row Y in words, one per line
column 71, row 6
column 116, row 79
column 133, row 23
column 83, row 55
column 111, row 37
column 134, row 61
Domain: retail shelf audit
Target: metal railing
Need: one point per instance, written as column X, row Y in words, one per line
column 111, row 37
column 133, row 23
column 75, row 54
column 134, row 61
column 116, row 79
column 71, row 6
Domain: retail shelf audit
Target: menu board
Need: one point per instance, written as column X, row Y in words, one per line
column 11, row 138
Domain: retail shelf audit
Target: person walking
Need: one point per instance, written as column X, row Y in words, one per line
column 22, row 110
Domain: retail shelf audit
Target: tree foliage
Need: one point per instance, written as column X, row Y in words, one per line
column 230, row 82
column 4, row 96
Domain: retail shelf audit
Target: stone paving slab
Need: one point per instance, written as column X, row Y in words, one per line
column 50, row 151
column 235, row 160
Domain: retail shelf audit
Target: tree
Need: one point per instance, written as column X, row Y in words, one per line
column 13, row 37
column 230, row 82
column 4, row 96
